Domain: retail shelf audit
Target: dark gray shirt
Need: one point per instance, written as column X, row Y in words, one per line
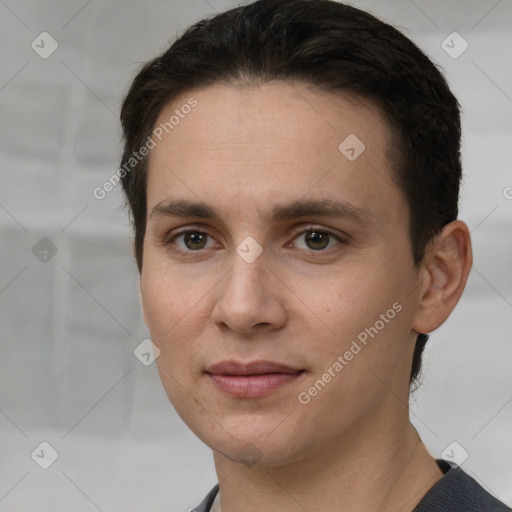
column 455, row 491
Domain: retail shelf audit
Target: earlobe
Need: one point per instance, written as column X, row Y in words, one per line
column 447, row 263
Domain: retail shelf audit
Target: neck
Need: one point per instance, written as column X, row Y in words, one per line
column 370, row 469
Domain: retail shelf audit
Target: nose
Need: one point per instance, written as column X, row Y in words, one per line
column 249, row 301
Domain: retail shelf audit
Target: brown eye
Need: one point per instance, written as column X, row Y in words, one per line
column 195, row 241
column 192, row 240
column 316, row 240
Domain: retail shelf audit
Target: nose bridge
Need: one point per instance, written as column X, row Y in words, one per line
column 248, row 270
column 249, row 297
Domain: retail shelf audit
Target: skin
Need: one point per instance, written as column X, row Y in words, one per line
column 243, row 150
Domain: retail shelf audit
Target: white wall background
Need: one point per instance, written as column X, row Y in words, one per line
column 69, row 326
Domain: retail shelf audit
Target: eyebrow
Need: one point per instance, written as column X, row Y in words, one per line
column 329, row 208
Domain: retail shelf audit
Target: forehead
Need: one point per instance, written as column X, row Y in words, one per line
column 263, row 145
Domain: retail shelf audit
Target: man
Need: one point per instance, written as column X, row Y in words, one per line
column 292, row 169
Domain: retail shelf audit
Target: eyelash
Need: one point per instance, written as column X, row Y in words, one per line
column 169, row 241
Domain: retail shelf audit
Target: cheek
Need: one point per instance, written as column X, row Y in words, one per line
column 177, row 308
column 167, row 295
column 160, row 310
column 173, row 333
column 346, row 300
column 361, row 314
column 165, row 306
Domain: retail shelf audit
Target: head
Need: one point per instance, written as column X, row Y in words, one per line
column 250, row 110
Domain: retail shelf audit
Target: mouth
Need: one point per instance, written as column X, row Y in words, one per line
column 251, row 380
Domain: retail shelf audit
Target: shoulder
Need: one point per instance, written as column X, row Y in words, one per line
column 206, row 504
column 456, row 491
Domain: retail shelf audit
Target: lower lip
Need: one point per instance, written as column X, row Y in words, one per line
column 252, row 386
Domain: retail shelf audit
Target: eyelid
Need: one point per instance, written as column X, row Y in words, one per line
column 181, row 231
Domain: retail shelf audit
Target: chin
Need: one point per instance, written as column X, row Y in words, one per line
column 253, row 454
column 270, row 446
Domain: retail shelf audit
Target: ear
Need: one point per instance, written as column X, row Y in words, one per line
column 444, row 272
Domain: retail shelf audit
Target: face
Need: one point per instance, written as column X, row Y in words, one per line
column 278, row 281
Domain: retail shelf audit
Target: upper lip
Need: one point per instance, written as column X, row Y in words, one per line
column 253, row 368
